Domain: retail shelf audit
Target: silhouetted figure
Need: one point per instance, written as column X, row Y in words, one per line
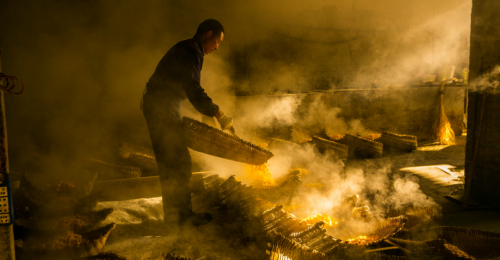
column 176, row 78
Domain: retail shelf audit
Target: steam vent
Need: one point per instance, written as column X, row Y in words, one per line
column 249, row 130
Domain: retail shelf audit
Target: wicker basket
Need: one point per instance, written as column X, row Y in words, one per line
column 212, row 183
column 383, row 230
column 279, row 220
column 363, row 147
column 233, row 194
column 396, row 141
column 206, row 139
column 388, row 228
column 142, row 160
column 283, row 246
column 145, row 159
column 333, row 134
column 108, row 171
column 340, row 150
column 417, row 216
column 312, row 235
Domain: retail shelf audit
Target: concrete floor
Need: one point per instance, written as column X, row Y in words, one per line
column 435, row 167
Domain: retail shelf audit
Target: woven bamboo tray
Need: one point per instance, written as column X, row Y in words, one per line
column 333, row 134
column 212, row 183
column 311, row 235
column 206, row 139
column 340, row 150
column 417, row 216
column 363, row 147
column 279, row 220
column 283, row 246
column 233, row 194
column 385, row 229
column 145, row 159
column 279, row 223
column 396, row 141
column 108, row 171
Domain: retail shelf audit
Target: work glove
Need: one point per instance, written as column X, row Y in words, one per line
column 226, row 123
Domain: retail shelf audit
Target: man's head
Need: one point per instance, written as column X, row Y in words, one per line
column 211, row 33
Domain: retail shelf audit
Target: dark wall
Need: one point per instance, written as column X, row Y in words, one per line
column 404, row 110
column 483, row 129
column 292, row 46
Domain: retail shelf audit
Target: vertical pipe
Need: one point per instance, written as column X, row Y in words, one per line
column 3, row 124
column 6, row 232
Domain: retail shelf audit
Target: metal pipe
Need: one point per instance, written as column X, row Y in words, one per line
column 6, row 232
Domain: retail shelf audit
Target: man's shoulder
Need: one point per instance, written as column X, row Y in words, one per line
column 188, row 46
column 186, row 42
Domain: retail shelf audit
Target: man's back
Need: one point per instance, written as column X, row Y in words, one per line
column 177, row 76
column 180, row 66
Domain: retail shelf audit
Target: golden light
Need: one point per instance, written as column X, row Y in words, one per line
column 361, row 240
column 329, row 222
column 445, row 134
column 259, row 176
column 315, row 185
column 291, row 207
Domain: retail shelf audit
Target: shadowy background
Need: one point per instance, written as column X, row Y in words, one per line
column 85, row 63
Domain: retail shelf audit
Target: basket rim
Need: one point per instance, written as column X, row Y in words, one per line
column 210, row 140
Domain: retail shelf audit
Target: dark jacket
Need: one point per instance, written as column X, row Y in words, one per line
column 176, row 78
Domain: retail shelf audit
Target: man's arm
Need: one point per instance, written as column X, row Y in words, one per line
column 194, row 91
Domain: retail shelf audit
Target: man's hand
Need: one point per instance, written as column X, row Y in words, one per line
column 225, row 122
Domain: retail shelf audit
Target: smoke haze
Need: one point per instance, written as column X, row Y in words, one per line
column 85, row 63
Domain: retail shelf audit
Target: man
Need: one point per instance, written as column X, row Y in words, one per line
column 176, row 78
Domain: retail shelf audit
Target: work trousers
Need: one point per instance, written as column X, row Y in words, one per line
column 173, row 159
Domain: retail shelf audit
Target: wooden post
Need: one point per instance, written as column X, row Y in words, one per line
column 6, row 232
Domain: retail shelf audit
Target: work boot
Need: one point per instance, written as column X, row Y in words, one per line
column 197, row 219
